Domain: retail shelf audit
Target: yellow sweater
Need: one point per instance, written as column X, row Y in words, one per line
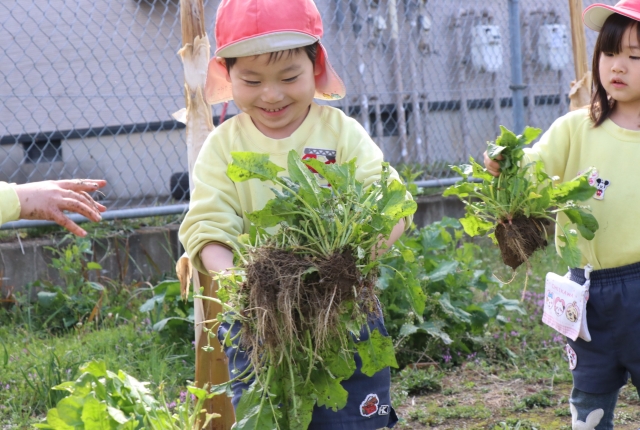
column 570, row 147
column 218, row 205
column 9, row 203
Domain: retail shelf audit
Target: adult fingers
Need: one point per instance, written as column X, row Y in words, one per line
column 61, row 219
column 82, row 208
column 82, row 184
column 95, row 204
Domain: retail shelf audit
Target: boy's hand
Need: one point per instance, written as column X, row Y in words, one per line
column 492, row 166
column 47, row 199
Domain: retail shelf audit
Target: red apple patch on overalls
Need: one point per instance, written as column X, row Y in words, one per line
column 370, row 405
column 326, row 156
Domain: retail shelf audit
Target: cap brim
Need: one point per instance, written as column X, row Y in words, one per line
column 329, row 86
column 595, row 15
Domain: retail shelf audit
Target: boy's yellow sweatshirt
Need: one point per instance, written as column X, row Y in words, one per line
column 9, row 203
column 218, row 205
column 571, row 146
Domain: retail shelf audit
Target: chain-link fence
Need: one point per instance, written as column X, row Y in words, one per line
column 88, row 87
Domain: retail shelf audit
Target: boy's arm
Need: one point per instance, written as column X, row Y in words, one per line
column 214, row 215
column 385, row 245
column 216, row 257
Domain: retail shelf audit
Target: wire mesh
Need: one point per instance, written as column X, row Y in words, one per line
column 88, row 87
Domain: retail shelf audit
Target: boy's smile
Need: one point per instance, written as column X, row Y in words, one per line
column 276, row 94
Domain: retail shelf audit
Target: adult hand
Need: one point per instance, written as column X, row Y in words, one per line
column 492, row 166
column 47, row 199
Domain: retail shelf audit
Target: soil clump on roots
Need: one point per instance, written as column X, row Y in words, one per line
column 519, row 239
column 297, row 299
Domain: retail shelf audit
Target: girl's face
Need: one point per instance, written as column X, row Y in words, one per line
column 620, row 73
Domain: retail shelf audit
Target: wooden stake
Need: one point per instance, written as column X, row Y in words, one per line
column 578, row 38
column 211, row 367
column 580, row 93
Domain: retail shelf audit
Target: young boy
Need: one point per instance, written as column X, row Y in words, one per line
column 47, row 199
column 270, row 62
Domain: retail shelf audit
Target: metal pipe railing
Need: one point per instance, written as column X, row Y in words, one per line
column 108, row 215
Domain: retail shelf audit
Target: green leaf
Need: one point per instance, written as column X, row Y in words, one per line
column 70, row 410
column 117, row 415
column 576, row 190
column 392, row 207
column 54, row 421
column 443, row 270
column 530, row 134
column 474, row 225
column 452, row 310
column 150, row 304
column 340, row 176
column 49, row 299
column 507, row 138
column 97, row 369
column 435, row 330
column 94, row 415
column 252, row 412
column 376, row 353
column 92, row 265
column 340, row 362
column 569, row 248
column 304, row 178
column 494, row 150
column 251, row 165
column 414, row 292
column 462, row 189
column 329, row 391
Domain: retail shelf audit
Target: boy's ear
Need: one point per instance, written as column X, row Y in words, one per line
column 223, row 63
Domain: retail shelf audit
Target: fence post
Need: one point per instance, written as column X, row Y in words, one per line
column 517, row 87
column 211, row 367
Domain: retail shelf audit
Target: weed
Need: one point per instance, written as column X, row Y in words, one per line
column 516, row 424
column 419, row 381
column 562, row 412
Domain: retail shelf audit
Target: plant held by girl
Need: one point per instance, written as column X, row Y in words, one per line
column 517, row 204
column 304, row 292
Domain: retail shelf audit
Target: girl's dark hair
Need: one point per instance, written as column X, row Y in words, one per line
column 610, row 42
column 311, row 50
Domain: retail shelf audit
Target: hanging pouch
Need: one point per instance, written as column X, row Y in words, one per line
column 565, row 305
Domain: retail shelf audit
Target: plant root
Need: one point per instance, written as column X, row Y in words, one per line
column 519, row 239
column 290, row 295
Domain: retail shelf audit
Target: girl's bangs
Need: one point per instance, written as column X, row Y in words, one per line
column 612, row 31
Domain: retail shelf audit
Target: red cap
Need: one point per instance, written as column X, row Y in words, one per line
column 254, row 27
column 595, row 15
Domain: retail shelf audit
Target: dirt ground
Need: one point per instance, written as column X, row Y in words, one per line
column 473, row 400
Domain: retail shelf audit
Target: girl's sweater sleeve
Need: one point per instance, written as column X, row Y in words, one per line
column 214, row 209
column 552, row 149
column 9, row 203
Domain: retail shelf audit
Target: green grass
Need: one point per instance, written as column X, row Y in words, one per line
column 32, row 363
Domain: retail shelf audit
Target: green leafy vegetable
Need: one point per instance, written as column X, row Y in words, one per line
column 518, row 204
column 304, row 290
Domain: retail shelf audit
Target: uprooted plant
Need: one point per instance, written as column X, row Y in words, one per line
column 305, row 290
column 515, row 206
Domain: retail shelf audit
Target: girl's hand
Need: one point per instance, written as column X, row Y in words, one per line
column 492, row 166
column 47, row 199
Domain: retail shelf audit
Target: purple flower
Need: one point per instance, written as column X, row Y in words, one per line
column 171, row 405
column 514, row 333
column 183, row 396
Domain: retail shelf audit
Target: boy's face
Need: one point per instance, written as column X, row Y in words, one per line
column 276, row 95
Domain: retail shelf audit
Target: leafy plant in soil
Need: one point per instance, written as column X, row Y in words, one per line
column 516, row 206
column 305, row 290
